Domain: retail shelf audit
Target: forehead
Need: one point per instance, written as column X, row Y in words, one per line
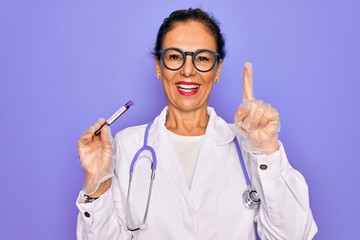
column 189, row 36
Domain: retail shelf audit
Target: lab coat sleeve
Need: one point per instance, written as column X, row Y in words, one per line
column 100, row 219
column 284, row 212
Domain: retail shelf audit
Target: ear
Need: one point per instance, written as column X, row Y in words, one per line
column 157, row 66
column 218, row 70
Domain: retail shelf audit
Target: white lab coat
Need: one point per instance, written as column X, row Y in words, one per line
column 213, row 207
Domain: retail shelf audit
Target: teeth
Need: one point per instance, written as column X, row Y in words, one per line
column 187, row 87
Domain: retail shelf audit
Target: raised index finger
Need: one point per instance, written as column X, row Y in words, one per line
column 248, row 93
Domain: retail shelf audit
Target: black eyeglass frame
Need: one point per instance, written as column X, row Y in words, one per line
column 161, row 54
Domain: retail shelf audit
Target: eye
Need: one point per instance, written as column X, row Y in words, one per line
column 174, row 57
column 202, row 59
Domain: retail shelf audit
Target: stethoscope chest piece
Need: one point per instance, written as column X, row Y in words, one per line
column 251, row 199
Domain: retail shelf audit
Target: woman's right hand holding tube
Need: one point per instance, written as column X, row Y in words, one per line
column 96, row 158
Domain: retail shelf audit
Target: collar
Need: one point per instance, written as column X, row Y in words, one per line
column 217, row 131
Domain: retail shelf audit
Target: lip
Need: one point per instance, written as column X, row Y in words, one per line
column 187, row 88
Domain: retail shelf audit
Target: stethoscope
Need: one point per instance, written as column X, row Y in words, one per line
column 251, row 198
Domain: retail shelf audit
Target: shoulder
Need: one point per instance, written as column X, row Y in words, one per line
column 130, row 134
column 218, row 122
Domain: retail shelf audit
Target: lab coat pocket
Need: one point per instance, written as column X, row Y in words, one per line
column 235, row 221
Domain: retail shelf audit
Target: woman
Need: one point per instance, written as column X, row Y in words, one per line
column 199, row 184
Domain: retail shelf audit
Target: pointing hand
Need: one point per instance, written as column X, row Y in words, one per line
column 257, row 121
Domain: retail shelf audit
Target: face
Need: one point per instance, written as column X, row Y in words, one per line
column 187, row 89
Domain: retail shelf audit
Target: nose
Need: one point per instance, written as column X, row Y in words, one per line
column 188, row 69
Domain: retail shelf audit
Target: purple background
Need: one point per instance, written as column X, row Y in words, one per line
column 64, row 64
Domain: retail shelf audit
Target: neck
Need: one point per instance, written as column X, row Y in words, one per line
column 191, row 123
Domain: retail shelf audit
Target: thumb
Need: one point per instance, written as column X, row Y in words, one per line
column 248, row 93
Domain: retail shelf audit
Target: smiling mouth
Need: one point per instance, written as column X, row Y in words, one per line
column 187, row 88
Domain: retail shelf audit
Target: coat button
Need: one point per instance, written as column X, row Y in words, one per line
column 263, row 166
column 87, row 214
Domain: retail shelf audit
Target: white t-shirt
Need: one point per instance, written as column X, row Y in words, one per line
column 187, row 148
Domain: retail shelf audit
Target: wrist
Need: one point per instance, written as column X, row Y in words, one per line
column 101, row 190
column 269, row 148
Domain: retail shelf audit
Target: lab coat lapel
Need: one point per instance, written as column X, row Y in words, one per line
column 205, row 165
column 217, row 133
column 172, row 167
column 167, row 158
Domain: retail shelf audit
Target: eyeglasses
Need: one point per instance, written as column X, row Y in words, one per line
column 174, row 58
